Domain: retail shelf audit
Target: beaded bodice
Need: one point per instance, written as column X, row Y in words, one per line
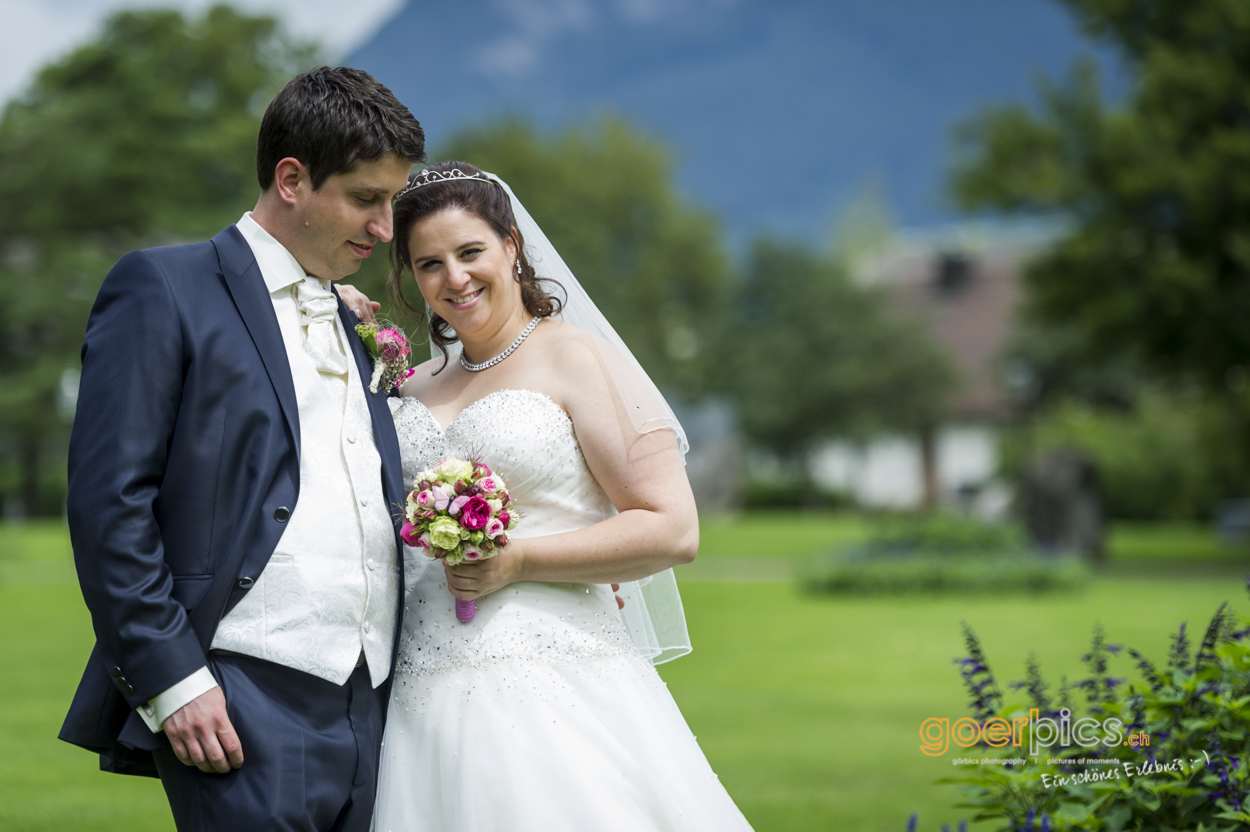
column 523, row 436
column 528, row 440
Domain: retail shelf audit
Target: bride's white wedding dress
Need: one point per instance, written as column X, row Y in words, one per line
column 541, row 714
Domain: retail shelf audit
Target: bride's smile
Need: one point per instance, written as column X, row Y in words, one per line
column 464, row 300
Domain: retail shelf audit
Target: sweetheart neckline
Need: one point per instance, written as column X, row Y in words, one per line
column 443, row 430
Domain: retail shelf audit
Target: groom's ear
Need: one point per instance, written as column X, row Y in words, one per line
column 289, row 176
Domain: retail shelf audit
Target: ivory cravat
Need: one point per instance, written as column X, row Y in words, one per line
column 317, row 309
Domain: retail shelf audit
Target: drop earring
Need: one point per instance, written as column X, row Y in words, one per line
column 518, row 267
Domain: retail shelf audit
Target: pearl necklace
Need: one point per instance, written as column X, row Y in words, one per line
column 477, row 368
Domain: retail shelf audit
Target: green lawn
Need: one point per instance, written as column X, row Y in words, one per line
column 807, row 707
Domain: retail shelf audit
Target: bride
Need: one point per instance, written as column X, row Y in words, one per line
column 545, row 711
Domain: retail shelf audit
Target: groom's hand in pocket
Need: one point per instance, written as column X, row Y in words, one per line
column 202, row 736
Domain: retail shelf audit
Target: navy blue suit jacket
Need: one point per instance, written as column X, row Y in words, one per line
column 183, row 468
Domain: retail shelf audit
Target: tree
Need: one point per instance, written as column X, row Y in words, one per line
column 652, row 263
column 819, row 356
column 1155, row 190
column 145, row 135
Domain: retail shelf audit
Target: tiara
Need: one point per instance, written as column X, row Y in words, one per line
column 427, row 176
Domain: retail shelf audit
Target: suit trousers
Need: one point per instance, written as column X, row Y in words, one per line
column 310, row 753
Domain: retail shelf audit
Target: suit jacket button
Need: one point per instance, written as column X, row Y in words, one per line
column 117, row 672
column 282, row 514
column 246, row 583
column 128, row 689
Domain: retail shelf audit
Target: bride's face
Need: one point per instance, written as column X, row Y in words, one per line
column 465, row 272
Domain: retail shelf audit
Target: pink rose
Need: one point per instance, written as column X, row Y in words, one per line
column 391, row 344
column 482, row 470
column 488, row 484
column 495, row 527
column 457, row 504
column 471, row 552
column 476, row 513
column 409, row 534
column 425, row 499
column 505, row 518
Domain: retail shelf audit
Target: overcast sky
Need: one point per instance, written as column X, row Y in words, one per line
column 33, row 32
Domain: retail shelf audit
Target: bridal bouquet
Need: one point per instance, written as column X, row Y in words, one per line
column 459, row 511
column 389, row 347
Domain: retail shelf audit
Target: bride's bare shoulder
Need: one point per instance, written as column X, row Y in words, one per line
column 569, row 347
column 423, row 380
column 573, row 356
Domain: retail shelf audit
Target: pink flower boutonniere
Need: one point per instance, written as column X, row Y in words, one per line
column 389, row 347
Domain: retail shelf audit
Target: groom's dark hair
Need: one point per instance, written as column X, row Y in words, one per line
column 332, row 119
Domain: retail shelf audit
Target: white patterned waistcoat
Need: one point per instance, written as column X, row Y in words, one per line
column 329, row 590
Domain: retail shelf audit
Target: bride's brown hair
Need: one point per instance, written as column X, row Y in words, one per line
column 485, row 200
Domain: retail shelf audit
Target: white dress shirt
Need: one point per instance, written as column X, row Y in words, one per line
column 328, row 595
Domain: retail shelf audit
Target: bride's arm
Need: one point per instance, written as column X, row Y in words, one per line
column 642, row 474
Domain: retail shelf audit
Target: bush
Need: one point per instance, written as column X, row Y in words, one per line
column 1193, row 775
column 1167, row 458
column 944, row 534
column 929, row 574
column 940, row 554
column 768, row 494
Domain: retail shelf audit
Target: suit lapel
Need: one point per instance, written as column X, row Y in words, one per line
column 251, row 298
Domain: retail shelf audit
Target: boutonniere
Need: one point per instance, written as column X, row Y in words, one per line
column 389, row 348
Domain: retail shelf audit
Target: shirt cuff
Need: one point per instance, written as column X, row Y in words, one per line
column 163, row 705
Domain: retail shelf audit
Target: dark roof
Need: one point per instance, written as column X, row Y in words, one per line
column 967, row 302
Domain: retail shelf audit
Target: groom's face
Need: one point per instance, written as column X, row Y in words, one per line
column 340, row 223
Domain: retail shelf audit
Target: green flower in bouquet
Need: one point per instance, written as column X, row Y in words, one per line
column 454, row 469
column 445, row 533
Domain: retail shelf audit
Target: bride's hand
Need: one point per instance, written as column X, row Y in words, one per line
column 359, row 302
column 470, row 581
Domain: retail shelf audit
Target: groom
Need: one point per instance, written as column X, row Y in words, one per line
column 231, row 484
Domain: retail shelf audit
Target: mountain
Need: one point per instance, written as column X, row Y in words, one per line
column 778, row 111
